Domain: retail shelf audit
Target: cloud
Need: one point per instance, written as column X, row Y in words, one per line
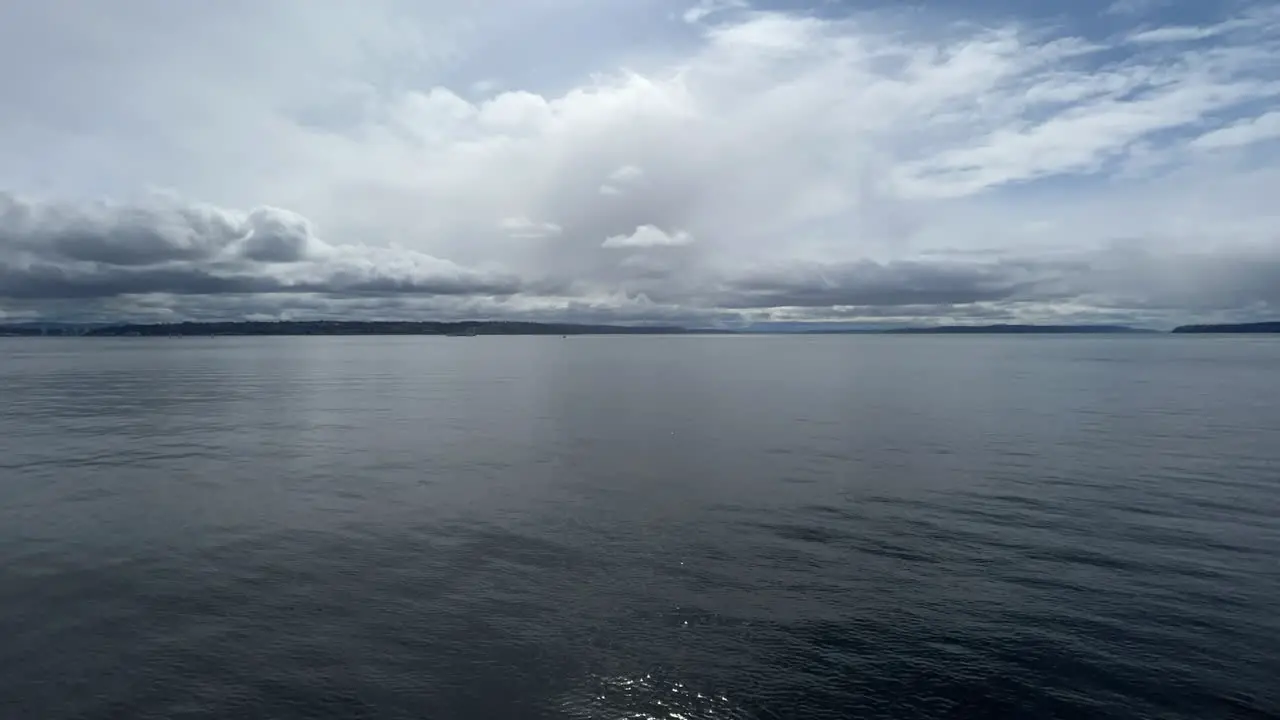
column 621, row 178
column 1127, row 280
column 626, row 174
column 278, row 236
column 60, row 251
column 870, row 284
column 648, row 236
column 1188, row 33
column 1246, row 132
column 827, row 162
column 485, row 87
column 522, row 227
column 706, row 8
column 1134, row 7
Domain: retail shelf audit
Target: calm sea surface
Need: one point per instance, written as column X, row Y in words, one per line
column 695, row 528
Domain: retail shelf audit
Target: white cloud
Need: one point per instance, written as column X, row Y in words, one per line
column 1175, row 34
column 648, row 236
column 1134, row 7
column 1261, row 18
column 1078, row 141
column 523, row 227
column 706, row 8
column 485, row 87
column 621, row 178
column 1246, row 132
column 626, row 174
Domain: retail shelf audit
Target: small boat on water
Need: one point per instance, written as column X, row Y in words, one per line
column 462, row 332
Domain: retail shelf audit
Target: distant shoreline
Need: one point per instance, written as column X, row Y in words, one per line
column 1019, row 330
column 469, row 328
column 251, row 328
column 1236, row 328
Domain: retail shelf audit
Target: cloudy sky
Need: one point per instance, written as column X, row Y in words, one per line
column 694, row 161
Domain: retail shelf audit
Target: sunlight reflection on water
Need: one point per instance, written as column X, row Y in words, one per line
column 648, row 698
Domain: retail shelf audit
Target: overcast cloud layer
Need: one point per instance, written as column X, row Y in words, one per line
column 706, row 163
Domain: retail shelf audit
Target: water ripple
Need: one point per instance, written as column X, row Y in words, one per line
column 620, row 528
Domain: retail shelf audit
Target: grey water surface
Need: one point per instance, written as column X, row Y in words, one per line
column 700, row 528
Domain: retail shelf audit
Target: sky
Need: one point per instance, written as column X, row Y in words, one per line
column 700, row 162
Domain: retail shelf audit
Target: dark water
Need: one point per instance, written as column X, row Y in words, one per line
column 684, row 528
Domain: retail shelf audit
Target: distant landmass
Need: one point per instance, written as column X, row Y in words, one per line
column 846, row 329
column 354, row 327
column 1015, row 329
column 26, row 329
column 1257, row 327
column 497, row 327
column 331, row 327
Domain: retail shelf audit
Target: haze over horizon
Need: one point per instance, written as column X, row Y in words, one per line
column 696, row 163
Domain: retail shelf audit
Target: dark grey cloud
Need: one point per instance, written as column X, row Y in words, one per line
column 276, row 237
column 872, row 284
column 1141, row 275
column 46, row 281
column 52, row 251
column 1127, row 281
column 115, row 235
column 351, row 284
column 49, row 281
